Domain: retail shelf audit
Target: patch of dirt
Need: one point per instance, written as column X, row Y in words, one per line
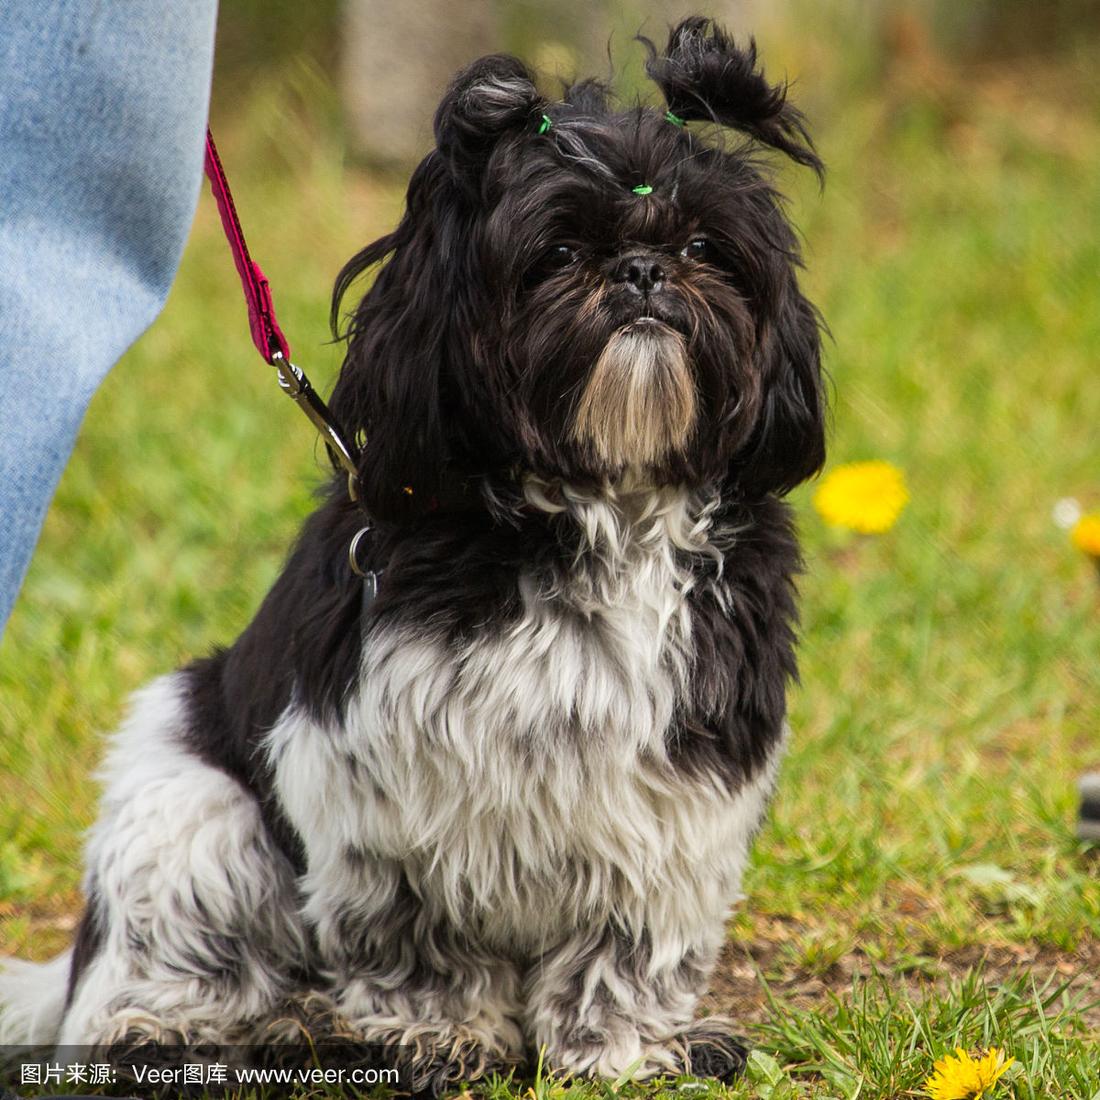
column 736, row 989
column 39, row 930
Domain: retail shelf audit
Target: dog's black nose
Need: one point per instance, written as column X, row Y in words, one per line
column 641, row 271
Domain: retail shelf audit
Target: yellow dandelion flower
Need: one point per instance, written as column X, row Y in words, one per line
column 958, row 1076
column 1085, row 535
column 865, row 496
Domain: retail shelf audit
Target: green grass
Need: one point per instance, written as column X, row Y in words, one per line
column 951, row 669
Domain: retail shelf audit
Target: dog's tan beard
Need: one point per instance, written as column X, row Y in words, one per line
column 639, row 403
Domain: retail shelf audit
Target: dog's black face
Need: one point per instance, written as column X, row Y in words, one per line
column 582, row 293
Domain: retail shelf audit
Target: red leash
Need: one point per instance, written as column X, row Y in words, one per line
column 266, row 334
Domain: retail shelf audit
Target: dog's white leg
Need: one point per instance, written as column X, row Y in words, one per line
column 620, row 997
column 606, row 1003
column 192, row 920
column 404, row 970
column 404, row 977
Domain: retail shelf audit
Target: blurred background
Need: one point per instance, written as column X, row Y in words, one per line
column 951, row 666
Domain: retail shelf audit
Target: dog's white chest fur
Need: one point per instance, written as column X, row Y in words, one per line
column 520, row 778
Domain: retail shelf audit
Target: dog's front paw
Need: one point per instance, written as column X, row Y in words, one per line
column 713, row 1050
column 434, row 1068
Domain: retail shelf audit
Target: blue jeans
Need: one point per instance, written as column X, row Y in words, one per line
column 102, row 115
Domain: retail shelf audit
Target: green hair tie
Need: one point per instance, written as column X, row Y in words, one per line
column 545, row 124
column 676, row 120
column 642, row 189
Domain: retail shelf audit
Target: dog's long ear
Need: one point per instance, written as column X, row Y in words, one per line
column 787, row 445
column 486, row 100
column 705, row 76
column 400, row 348
column 406, row 370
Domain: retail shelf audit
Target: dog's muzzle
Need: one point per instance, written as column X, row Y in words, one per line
column 639, row 404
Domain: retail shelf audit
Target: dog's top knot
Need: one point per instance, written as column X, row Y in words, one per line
column 705, row 76
column 486, row 100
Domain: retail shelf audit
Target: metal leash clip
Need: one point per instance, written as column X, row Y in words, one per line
column 296, row 385
column 370, row 576
column 353, row 555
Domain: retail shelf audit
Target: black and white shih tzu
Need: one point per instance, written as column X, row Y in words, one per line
column 505, row 807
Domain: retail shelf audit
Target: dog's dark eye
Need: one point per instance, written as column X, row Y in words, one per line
column 698, row 249
column 559, row 256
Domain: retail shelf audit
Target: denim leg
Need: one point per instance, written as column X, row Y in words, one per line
column 103, row 107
